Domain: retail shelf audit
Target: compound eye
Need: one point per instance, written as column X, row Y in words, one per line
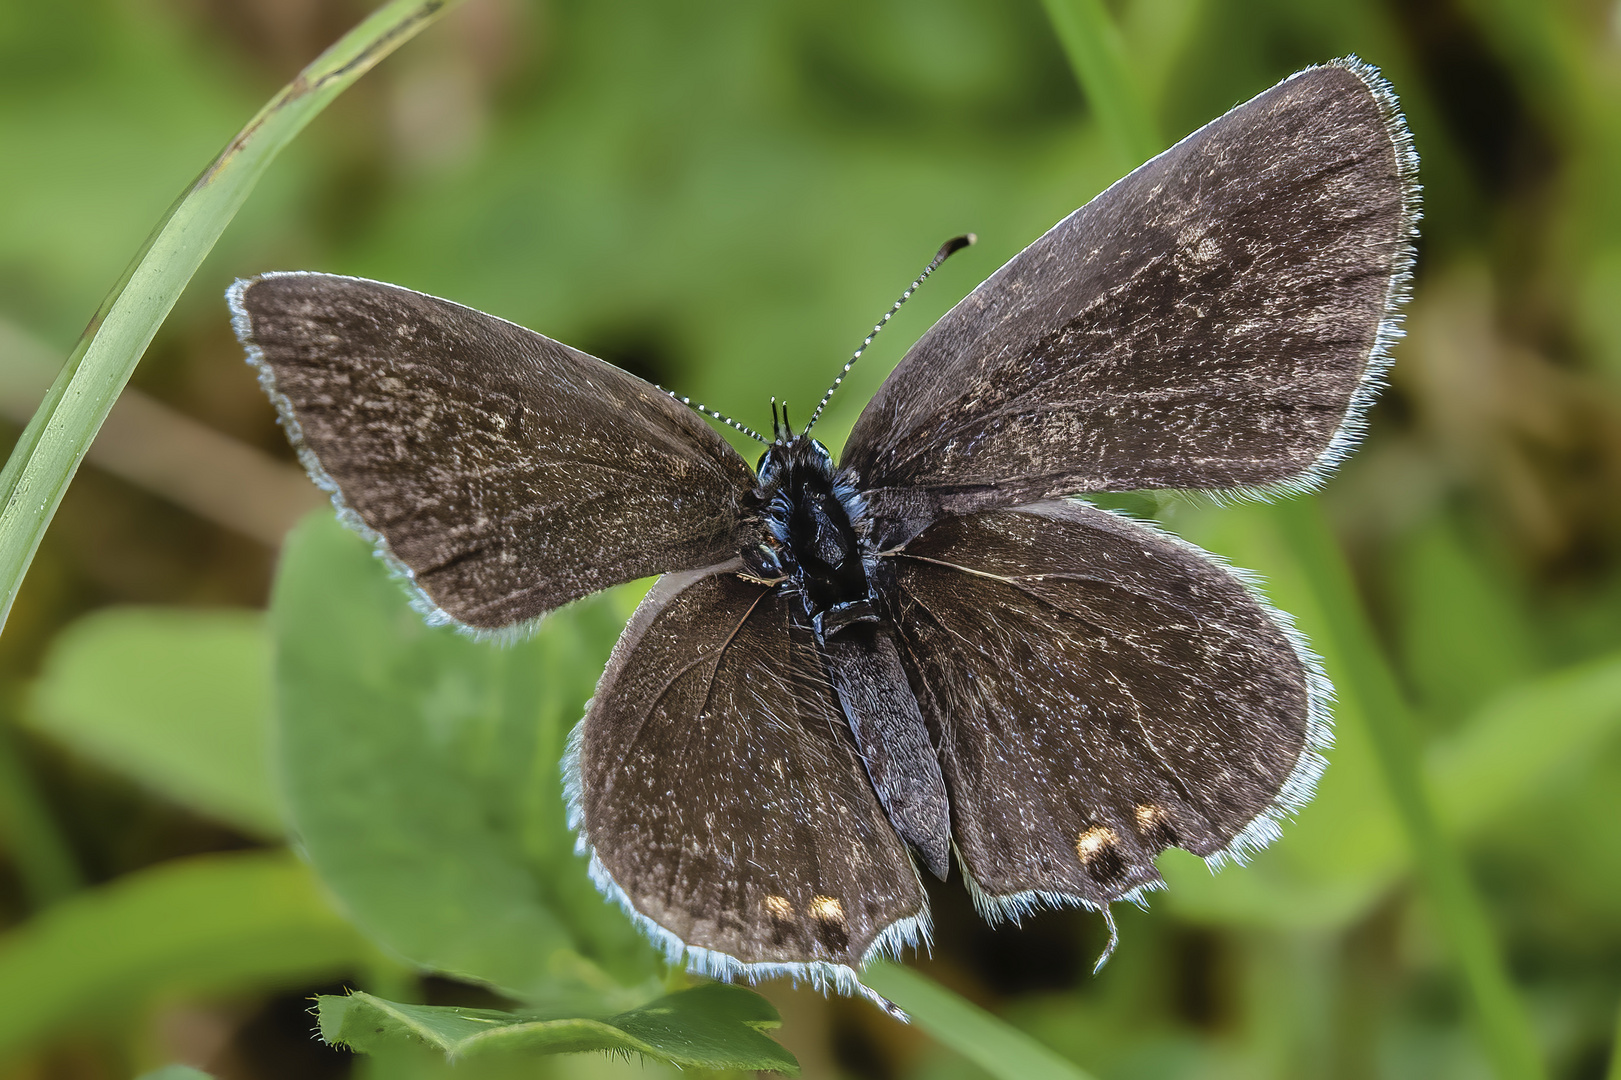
column 768, row 466
column 776, row 515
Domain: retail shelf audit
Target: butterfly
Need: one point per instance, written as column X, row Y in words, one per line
column 853, row 673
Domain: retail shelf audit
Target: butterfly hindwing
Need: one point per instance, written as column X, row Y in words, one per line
column 1215, row 320
column 509, row 473
column 1100, row 692
column 720, row 788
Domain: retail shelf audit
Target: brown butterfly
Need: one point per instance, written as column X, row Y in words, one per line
column 852, row 672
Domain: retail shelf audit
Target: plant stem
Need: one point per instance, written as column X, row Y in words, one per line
column 1098, row 55
column 56, row 439
column 1460, row 915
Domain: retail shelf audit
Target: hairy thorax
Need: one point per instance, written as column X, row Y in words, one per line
column 814, row 536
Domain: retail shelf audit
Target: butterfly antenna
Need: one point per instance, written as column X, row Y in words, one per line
column 948, row 249
column 722, row 417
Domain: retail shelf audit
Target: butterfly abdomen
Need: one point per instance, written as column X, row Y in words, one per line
column 896, row 747
column 819, row 544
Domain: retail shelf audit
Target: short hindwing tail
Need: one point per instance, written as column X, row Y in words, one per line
column 1100, row 692
column 717, row 788
column 1218, row 320
column 505, row 474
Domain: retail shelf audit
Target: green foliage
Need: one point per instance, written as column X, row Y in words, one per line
column 1519, row 743
column 712, row 1027
column 421, row 773
column 44, row 862
column 1098, row 55
column 178, row 700
column 209, row 925
column 1463, row 635
column 724, row 195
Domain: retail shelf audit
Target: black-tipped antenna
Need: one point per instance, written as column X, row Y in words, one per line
column 722, row 417
column 947, row 249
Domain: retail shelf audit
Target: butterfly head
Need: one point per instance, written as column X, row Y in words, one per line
column 813, row 538
column 816, row 538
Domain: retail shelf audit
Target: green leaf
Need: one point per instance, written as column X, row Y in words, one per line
column 212, row 924
column 715, row 1026
column 178, row 700
column 421, row 772
column 51, row 447
column 988, row 1041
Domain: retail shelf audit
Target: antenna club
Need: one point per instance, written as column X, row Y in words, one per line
column 947, row 249
column 952, row 246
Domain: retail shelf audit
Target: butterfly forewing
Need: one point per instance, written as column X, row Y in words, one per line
column 1212, row 321
column 1100, row 692
column 719, row 785
column 509, row 473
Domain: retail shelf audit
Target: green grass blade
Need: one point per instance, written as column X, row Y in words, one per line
column 1098, row 54
column 1459, row 913
column 55, row 441
column 989, row 1042
column 35, row 843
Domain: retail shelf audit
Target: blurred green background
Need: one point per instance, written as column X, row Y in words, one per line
column 722, row 197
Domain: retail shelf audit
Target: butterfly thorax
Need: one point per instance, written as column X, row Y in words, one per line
column 815, row 532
